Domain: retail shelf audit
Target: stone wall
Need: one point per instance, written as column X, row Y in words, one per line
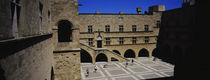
column 66, row 54
column 99, row 20
column 5, row 20
column 26, row 48
column 67, row 66
column 32, row 63
column 28, row 19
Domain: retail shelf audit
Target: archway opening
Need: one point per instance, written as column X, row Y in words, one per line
column 85, row 57
column 116, row 51
column 129, row 54
column 101, row 58
column 143, row 53
column 64, row 31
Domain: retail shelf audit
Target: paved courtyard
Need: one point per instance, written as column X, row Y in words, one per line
column 142, row 68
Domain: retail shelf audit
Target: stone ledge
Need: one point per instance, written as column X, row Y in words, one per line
column 9, row 47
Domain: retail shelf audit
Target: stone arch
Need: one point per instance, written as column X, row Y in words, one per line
column 143, row 53
column 116, row 51
column 129, row 54
column 155, row 52
column 85, row 56
column 64, row 31
column 101, row 58
column 52, row 74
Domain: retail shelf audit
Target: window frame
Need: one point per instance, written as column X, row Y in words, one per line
column 90, row 28
column 121, row 28
column 90, row 42
column 107, row 28
column 146, row 39
column 121, row 40
column 134, row 40
column 146, row 27
column 108, row 41
column 133, row 28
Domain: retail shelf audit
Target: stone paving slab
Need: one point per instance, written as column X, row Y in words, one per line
column 125, row 78
column 116, row 72
column 143, row 68
column 150, row 76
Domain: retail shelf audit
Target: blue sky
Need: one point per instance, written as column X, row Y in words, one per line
column 127, row 6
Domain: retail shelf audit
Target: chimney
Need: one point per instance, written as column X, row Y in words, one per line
column 97, row 12
column 138, row 10
column 121, row 12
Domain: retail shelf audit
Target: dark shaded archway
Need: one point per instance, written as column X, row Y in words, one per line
column 52, row 74
column 129, row 54
column 85, row 57
column 143, row 53
column 101, row 58
column 116, row 51
column 64, row 31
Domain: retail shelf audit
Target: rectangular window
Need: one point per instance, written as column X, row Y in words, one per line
column 133, row 28
column 90, row 29
column 146, row 27
column 121, row 41
column 120, row 28
column 158, row 24
column 108, row 41
column 146, row 39
column 107, row 28
column 120, row 19
column 90, row 42
column 134, row 40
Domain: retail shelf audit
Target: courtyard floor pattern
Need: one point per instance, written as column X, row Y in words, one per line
column 142, row 68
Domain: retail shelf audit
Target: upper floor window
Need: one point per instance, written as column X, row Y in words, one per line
column 120, row 28
column 133, row 28
column 90, row 29
column 146, row 27
column 134, row 40
column 90, row 42
column 64, row 31
column 107, row 28
column 108, row 41
column 158, row 24
column 146, row 39
column 120, row 19
column 121, row 41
